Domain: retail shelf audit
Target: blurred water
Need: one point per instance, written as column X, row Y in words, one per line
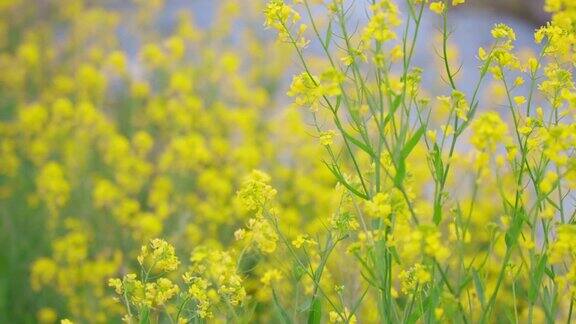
column 471, row 27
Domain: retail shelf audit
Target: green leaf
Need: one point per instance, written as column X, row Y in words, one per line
column 395, row 255
column 411, row 143
column 400, row 173
column 360, row 144
column 328, row 37
column 406, row 150
column 510, row 316
column 282, row 312
column 144, row 316
column 514, row 231
column 315, row 312
column 536, row 279
column 437, row 162
column 437, row 217
column 424, row 306
column 549, row 273
column 395, row 105
column 336, row 172
column 549, row 305
column 465, row 282
column 479, row 287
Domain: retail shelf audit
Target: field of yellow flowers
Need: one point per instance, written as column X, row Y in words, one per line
column 286, row 162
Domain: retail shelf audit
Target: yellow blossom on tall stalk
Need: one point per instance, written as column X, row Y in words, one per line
column 256, row 193
column 488, row 130
column 437, row 7
column 385, row 18
column 158, row 256
column 284, row 18
column 213, row 281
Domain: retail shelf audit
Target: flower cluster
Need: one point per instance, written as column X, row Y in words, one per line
column 284, row 18
column 256, row 193
column 381, row 26
column 488, row 131
column 158, row 256
column 212, row 281
column 563, row 251
column 311, row 91
column 145, row 294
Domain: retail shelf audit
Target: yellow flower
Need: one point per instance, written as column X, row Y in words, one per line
column 43, row 272
column 159, row 256
column 381, row 26
column 303, row 240
column 52, row 186
column 488, row 130
column 438, row 313
column 283, row 18
column 117, row 60
column 304, row 89
column 327, row 137
column 278, row 14
column 396, row 53
column 262, row 234
column 116, row 284
column 548, row 182
column 503, row 31
column 255, row 192
column 330, row 82
column 482, row 54
column 161, row 291
column 519, row 100
column 152, row 55
column 47, row 315
column 518, row 81
column 437, row 7
column 213, row 281
column 379, row 206
column 29, row 53
column 181, row 83
column 270, row 276
column 414, row 278
column 176, row 47
column 431, row 134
